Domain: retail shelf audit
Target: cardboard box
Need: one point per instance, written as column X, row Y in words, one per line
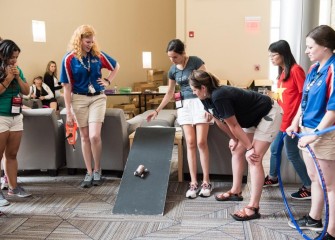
column 224, row 82
column 154, row 74
column 142, row 86
column 163, row 89
column 261, row 85
column 130, row 110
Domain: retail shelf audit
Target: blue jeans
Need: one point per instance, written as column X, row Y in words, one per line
column 292, row 153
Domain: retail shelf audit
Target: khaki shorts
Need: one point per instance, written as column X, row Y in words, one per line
column 269, row 126
column 323, row 147
column 89, row 109
column 192, row 112
column 12, row 124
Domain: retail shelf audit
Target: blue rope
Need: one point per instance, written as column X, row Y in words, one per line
column 323, row 184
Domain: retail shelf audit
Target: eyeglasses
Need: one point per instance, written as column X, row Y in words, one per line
column 273, row 55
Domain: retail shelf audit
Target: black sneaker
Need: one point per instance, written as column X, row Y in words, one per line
column 302, row 194
column 307, row 222
column 268, row 182
column 327, row 236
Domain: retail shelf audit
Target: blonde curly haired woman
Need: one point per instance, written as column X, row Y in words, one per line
column 84, row 96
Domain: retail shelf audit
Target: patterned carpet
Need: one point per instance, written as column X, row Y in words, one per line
column 60, row 209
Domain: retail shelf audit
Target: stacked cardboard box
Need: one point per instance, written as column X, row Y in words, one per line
column 261, row 85
column 129, row 109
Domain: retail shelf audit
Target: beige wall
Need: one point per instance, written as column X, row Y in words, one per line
column 221, row 39
column 124, row 28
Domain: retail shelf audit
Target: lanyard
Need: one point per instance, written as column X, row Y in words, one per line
column 306, row 91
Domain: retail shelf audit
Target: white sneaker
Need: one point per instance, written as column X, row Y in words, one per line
column 192, row 191
column 206, row 189
column 4, row 184
column 3, row 200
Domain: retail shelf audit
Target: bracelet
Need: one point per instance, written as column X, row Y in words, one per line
column 156, row 111
column 3, row 85
column 109, row 82
column 250, row 148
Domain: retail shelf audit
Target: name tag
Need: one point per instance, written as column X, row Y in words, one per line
column 16, row 105
column 178, row 98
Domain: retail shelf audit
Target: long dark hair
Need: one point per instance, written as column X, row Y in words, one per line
column 7, row 48
column 200, row 77
column 283, row 49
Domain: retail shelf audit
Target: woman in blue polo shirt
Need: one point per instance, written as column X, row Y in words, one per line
column 317, row 112
column 84, row 95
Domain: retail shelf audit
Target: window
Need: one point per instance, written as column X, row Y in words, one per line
column 38, row 31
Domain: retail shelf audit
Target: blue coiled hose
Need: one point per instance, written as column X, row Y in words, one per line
column 323, row 184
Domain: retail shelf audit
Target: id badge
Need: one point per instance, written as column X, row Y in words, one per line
column 16, row 105
column 179, row 100
column 91, row 88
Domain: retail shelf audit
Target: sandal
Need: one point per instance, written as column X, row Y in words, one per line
column 241, row 215
column 229, row 196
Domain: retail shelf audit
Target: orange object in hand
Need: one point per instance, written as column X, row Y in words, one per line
column 71, row 134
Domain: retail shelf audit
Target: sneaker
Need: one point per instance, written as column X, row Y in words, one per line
column 302, row 194
column 206, row 189
column 268, row 182
column 87, row 181
column 192, row 191
column 18, row 191
column 97, row 179
column 307, row 222
column 4, row 184
column 3, row 200
column 327, row 236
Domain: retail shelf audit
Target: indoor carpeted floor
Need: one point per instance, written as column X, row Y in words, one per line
column 60, row 209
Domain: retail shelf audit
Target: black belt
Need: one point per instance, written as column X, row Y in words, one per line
column 89, row 94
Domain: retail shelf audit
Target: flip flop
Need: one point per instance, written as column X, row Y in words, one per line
column 241, row 215
column 229, row 196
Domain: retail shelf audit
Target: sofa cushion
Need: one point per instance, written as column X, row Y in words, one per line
column 165, row 118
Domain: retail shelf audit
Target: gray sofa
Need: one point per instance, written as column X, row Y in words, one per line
column 115, row 143
column 220, row 156
column 42, row 144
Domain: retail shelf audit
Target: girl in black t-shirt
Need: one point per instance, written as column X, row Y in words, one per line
column 252, row 121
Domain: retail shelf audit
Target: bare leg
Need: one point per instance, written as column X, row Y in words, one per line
column 190, row 138
column 53, row 105
column 202, row 133
column 96, row 143
column 238, row 166
column 86, row 148
column 328, row 169
column 257, row 175
column 11, row 165
column 3, row 141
